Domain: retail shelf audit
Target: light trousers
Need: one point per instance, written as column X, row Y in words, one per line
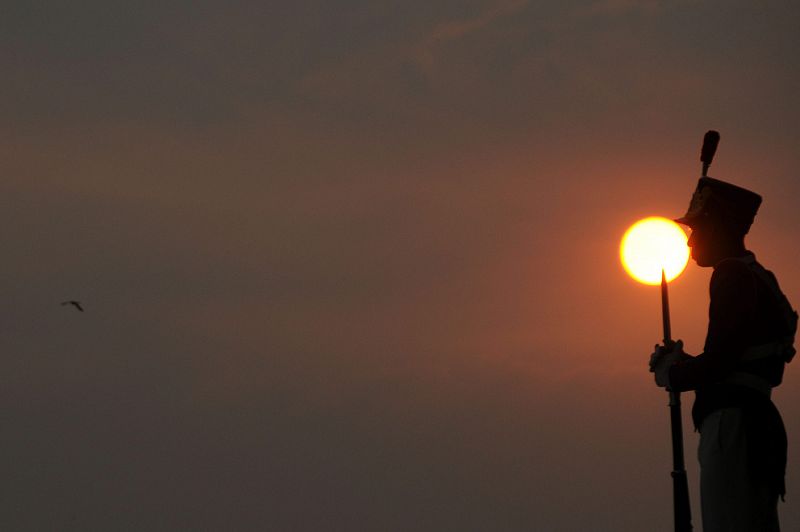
column 732, row 500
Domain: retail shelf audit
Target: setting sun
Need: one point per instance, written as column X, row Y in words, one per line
column 652, row 244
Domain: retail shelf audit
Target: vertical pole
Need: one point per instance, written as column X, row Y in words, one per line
column 665, row 310
column 682, row 512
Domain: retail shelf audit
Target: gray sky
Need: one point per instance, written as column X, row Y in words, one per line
column 354, row 265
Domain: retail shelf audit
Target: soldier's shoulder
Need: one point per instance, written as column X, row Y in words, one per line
column 731, row 272
column 733, row 266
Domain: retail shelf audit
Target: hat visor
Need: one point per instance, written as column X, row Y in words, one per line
column 685, row 220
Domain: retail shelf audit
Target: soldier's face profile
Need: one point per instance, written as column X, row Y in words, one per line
column 701, row 243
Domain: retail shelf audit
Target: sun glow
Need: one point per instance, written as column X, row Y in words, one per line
column 652, row 244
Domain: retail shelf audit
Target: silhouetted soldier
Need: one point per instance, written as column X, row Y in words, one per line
column 750, row 338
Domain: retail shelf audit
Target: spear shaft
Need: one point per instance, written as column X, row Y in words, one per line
column 682, row 511
column 665, row 311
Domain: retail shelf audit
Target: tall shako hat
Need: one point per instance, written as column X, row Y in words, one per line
column 721, row 200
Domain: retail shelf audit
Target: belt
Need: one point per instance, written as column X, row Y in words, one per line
column 749, row 380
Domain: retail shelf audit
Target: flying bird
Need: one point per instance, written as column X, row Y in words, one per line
column 76, row 304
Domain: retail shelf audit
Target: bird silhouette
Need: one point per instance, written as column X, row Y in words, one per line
column 76, row 304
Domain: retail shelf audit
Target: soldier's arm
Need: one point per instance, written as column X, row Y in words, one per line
column 733, row 293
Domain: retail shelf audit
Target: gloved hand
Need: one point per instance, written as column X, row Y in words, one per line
column 662, row 359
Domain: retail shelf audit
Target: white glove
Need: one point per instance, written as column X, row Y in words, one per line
column 662, row 359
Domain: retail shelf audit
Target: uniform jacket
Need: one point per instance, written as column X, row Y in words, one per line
column 743, row 312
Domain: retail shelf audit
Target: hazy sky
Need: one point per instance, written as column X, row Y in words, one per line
column 354, row 265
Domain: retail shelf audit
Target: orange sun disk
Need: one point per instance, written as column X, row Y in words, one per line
column 653, row 244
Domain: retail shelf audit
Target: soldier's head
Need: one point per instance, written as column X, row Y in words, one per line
column 720, row 215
